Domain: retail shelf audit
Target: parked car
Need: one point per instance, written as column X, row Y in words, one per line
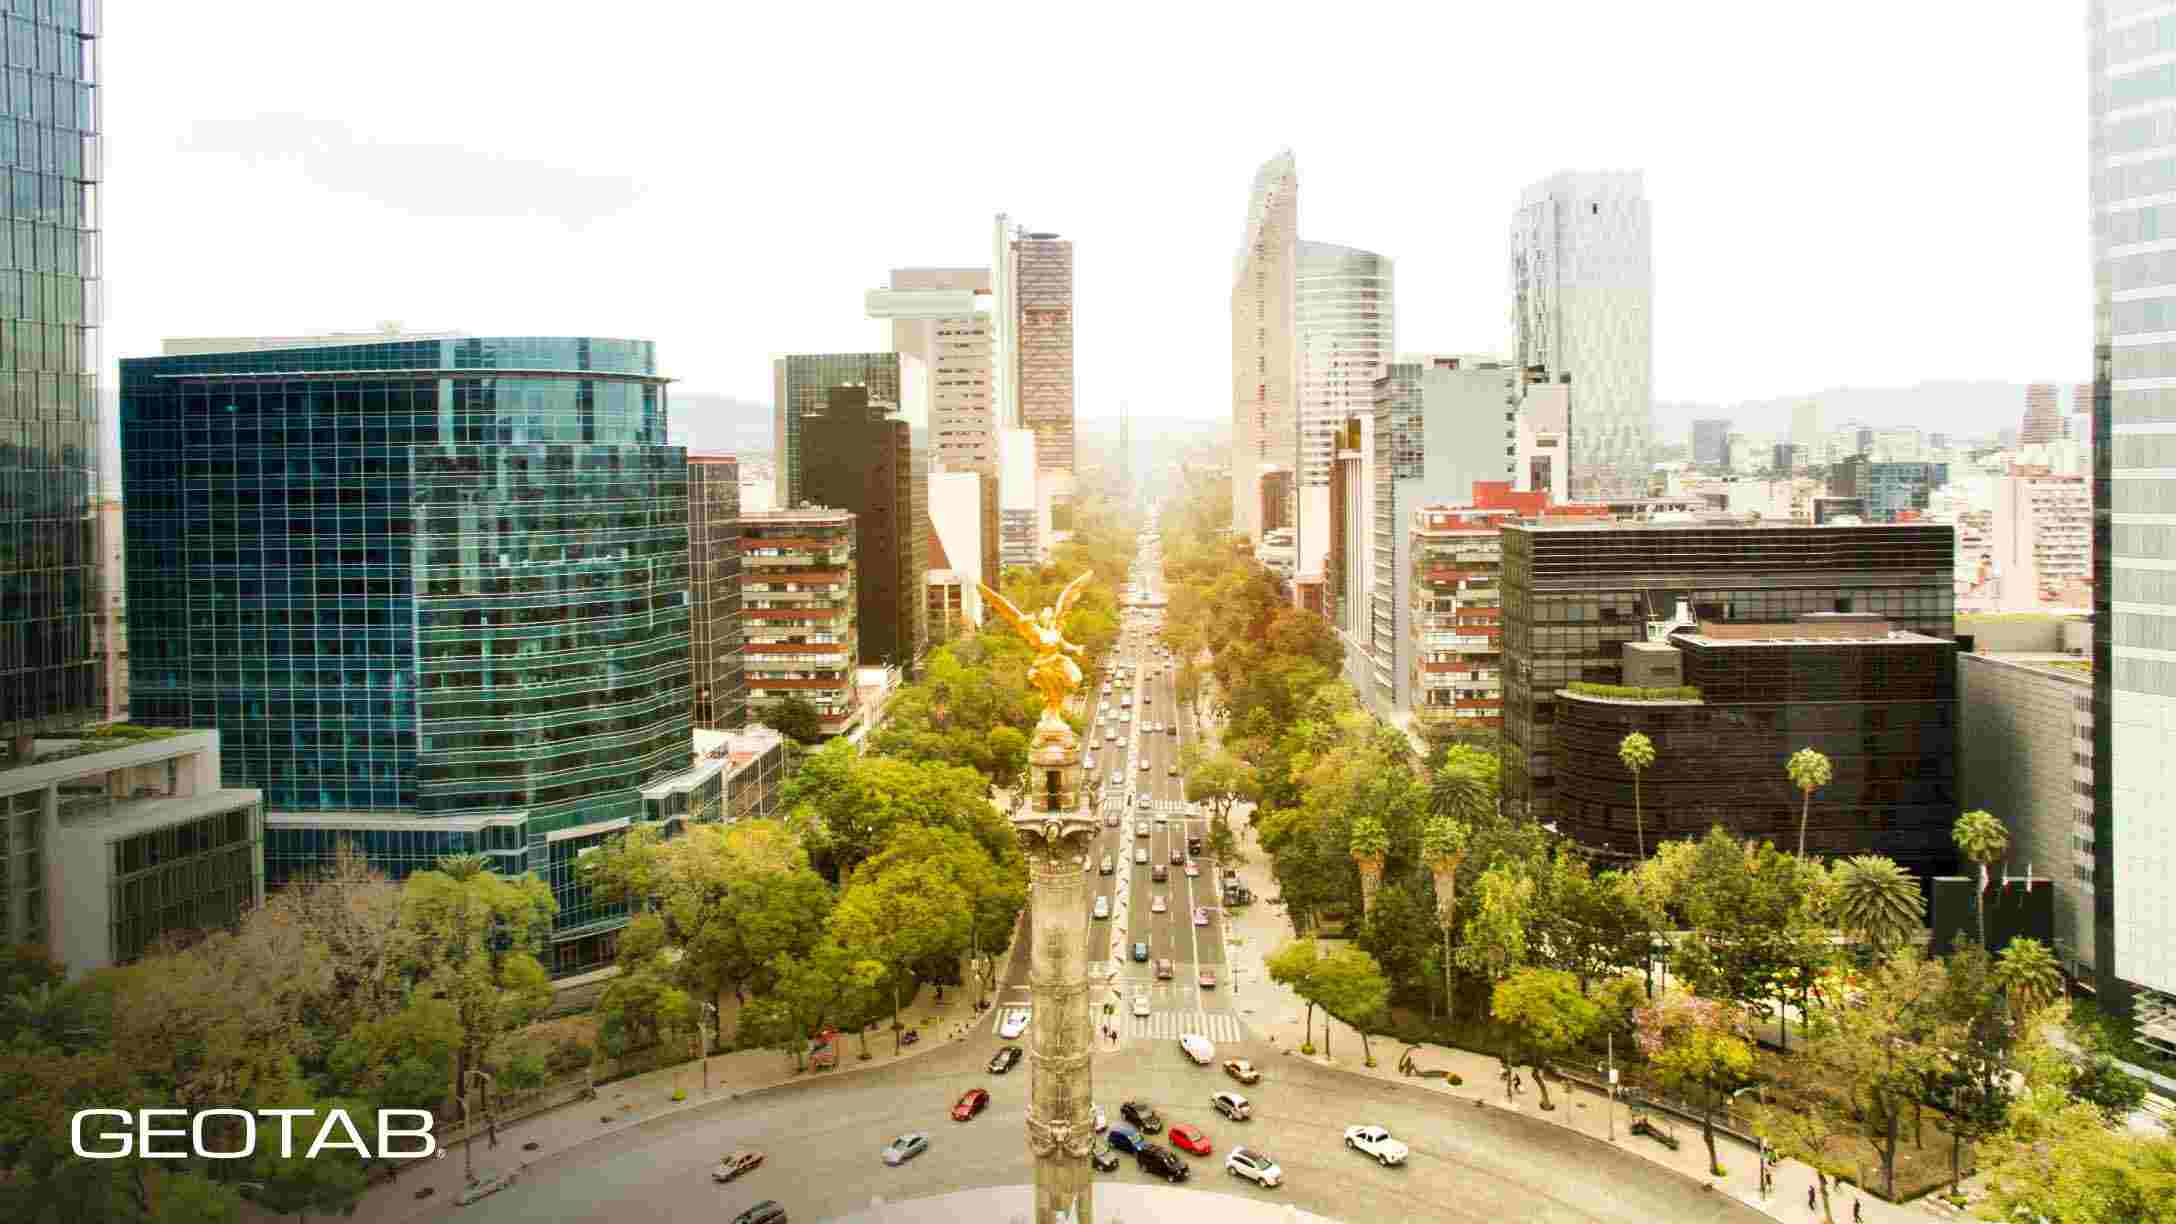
column 1143, row 1115
column 1006, row 1060
column 1207, row 980
column 1140, row 1004
column 1242, row 1070
column 1124, row 1139
column 1104, row 1159
column 1375, row 1141
column 905, row 1148
column 1198, row 1048
column 1140, row 951
column 734, row 1164
column 1100, row 1122
column 1014, row 1023
column 971, row 1102
column 1232, row 1105
column 1163, row 969
column 769, row 1211
column 1103, row 906
column 1189, row 1138
column 1257, row 1167
column 1159, row 1161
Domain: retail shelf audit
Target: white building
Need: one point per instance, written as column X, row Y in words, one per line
column 1343, row 321
column 1541, row 459
column 1263, row 365
column 955, row 519
column 1582, row 275
column 1022, row 510
column 2043, row 538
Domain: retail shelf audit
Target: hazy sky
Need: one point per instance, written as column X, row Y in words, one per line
column 1860, row 192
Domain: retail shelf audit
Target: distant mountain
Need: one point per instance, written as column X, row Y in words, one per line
column 1956, row 407
column 720, row 422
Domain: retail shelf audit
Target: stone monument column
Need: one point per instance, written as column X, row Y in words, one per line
column 1058, row 835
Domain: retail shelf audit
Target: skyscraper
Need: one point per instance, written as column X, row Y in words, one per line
column 801, row 384
column 1582, row 274
column 717, row 685
column 2130, row 91
column 1043, row 322
column 433, row 594
column 1343, row 324
column 49, row 653
column 1711, row 443
column 1264, row 364
column 858, row 455
column 2043, row 415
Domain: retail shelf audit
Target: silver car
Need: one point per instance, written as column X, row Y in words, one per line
column 905, row 1148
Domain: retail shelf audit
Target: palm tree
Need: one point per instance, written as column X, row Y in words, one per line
column 1465, row 785
column 1983, row 840
column 1370, row 842
column 463, row 866
column 2028, row 974
column 1443, row 844
column 1878, row 899
column 1637, row 752
column 1809, row 771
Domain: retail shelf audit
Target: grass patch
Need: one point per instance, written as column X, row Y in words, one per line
column 2102, row 1033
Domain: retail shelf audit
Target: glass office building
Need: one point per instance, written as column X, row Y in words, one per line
column 49, row 281
column 433, row 594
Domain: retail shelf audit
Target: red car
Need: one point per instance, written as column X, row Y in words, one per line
column 1191, row 1139
column 972, row 1102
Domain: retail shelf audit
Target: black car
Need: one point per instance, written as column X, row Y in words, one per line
column 1178, row 856
column 1104, row 1159
column 766, row 1212
column 1160, row 1161
column 1006, row 1060
column 1143, row 1115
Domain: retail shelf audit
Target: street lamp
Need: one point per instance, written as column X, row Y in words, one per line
column 704, row 1031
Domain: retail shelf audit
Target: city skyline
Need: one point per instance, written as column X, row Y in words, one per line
column 1152, row 212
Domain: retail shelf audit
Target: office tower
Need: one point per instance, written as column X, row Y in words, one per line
column 1574, row 594
column 1711, row 443
column 1019, row 505
column 858, row 455
column 2043, row 417
column 1264, row 364
column 1343, row 324
column 1786, row 459
column 941, row 318
column 1042, row 304
column 1440, row 428
column 2043, row 533
column 1727, row 704
column 714, row 622
column 1891, row 491
column 451, row 584
column 1806, row 429
column 1582, row 274
column 2134, row 682
column 801, row 384
column 798, row 608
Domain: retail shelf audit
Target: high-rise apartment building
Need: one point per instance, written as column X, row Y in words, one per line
column 1574, row 594
column 1042, row 302
column 451, row 583
column 714, row 622
column 1021, row 539
column 49, row 644
column 2043, row 416
column 2131, row 124
column 799, row 607
column 1582, row 274
column 942, row 319
column 858, row 455
column 1711, row 443
column 1442, row 425
column 1264, row 362
column 1454, row 658
column 2042, row 536
column 1343, row 320
column 801, row 384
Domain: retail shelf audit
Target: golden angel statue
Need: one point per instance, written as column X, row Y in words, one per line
column 1053, row 672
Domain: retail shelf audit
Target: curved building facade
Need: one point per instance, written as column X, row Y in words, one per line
column 1262, row 370
column 1343, row 322
column 433, row 593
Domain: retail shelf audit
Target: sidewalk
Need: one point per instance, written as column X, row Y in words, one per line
column 1280, row 1017
column 626, row 1103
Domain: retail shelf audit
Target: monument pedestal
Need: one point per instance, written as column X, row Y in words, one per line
column 1057, row 834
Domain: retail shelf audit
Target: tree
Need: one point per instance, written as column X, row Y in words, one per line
column 1756, row 936
column 1293, row 966
column 2060, row 1161
column 1443, row 846
column 2028, row 976
column 1465, row 784
column 794, row 717
column 1884, row 1050
column 1982, row 839
column 1877, row 899
column 1586, row 926
column 1219, row 779
column 1637, row 752
column 846, row 805
column 1369, row 842
column 1495, row 941
column 1810, row 1137
column 2117, row 1093
column 1349, row 985
column 1549, row 1014
column 898, row 916
column 469, row 938
column 1697, row 1043
column 641, row 1010
column 1809, row 771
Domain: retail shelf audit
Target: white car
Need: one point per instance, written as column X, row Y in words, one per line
column 1257, row 1167
column 1157, row 906
column 1140, row 856
column 1375, row 1141
column 1103, row 907
column 1144, row 765
column 1014, row 1023
column 1100, row 1122
column 1198, row 1048
column 1140, row 1004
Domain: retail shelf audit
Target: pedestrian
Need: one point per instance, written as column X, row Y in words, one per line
column 1809, row 1198
column 1858, row 1216
column 1518, row 1084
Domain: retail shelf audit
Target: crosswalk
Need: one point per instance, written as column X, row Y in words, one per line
column 1169, row 807
column 1170, row 1026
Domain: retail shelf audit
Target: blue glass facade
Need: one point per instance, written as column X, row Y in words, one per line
column 433, row 593
column 49, row 277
